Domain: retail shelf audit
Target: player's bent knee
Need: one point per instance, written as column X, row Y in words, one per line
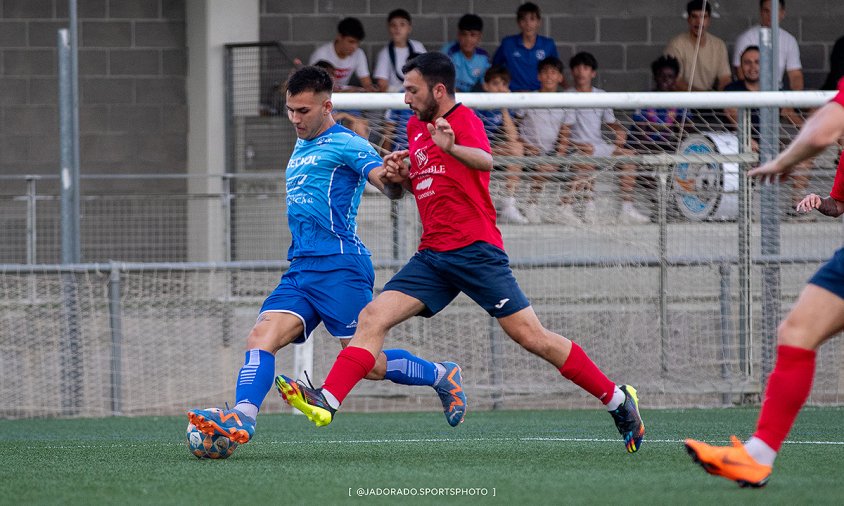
column 791, row 333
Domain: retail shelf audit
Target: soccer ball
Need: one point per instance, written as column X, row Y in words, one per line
column 204, row 446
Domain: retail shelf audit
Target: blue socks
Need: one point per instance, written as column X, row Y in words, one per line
column 255, row 378
column 405, row 368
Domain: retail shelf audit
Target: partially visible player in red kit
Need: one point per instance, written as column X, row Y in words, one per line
column 461, row 250
column 817, row 315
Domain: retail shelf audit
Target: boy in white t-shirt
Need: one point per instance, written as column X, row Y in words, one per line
column 540, row 130
column 788, row 57
column 581, row 133
column 346, row 56
column 388, row 75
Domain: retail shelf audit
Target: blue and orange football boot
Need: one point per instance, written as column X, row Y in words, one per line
column 450, row 390
column 731, row 462
column 305, row 398
column 230, row 423
column 628, row 421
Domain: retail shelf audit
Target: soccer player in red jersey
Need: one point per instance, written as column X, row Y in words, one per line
column 817, row 315
column 461, row 250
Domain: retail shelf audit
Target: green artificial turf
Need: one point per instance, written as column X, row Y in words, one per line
column 513, row 457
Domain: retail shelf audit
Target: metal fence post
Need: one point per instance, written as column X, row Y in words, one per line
column 726, row 325
column 662, row 176
column 115, row 319
column 745, row 331
column 31, row 225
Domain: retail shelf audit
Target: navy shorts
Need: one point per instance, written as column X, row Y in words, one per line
column 831, row 275
column 480, row 270
column 329, row 289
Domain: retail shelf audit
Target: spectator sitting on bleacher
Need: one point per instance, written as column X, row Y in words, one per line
column 522, row 52
column 470, row 60
column 582, row 133
column 751, row 70
column 540, row 130
column 788, row 59
column 656, row 129
column 349, row 119
column 712, row 67
column 400, row 49
column 504, row 141
column 345, row 54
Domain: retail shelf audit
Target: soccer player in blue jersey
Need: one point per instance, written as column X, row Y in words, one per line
column 331, row 277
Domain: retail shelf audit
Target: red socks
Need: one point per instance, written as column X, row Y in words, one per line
column 351, row 366
column 788, row 388
column 580, row 369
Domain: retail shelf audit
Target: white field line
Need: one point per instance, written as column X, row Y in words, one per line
column 431, row 440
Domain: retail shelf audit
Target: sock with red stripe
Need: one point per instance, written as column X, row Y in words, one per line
column 580, row 369
column 351, row 366
column 788, row 388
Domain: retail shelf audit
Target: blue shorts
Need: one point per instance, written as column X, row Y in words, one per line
column 480, row 270
column 331, row 289
column 831, row 275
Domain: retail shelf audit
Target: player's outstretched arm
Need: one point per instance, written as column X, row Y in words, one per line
column 443, row 136
column 821, row 130
column 827, row 206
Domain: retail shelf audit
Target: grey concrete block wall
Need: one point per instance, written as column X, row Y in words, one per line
column 132, row 65
column 133, row 59
column 625, row 36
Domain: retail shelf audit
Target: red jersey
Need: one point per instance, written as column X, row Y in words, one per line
column 838, row 185
column 453, row 200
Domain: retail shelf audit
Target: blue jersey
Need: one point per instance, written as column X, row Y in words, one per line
column 325, row 179
column 523, row 62
column 469, row 72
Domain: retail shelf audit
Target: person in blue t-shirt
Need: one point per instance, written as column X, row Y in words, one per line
column 522, row 53
column 470, row 60
column 330, row 278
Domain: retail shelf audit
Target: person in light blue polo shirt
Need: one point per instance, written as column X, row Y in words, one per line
column 470, row 61
column 522, row 53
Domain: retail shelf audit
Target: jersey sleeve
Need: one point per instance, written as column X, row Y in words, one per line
column 473, row 135
column 361, row 156
column 839, row 98
column 837, row 191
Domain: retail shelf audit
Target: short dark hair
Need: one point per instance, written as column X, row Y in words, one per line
column 398, row 13
column 469, row 22
column 351, row 27
column 665, row 61
column 698, row 5
column 748, row 48
column 310, row 78
column 526, row 8
column 499, row 71
column 435, row 68
column 583, row 58
column 762, row 2
column 325, row 65
column 551, row 61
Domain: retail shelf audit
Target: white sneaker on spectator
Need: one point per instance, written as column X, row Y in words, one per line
column 510, row 213
column 590, row 212
column 564, row 215
column 629, row 215
column 532, row 213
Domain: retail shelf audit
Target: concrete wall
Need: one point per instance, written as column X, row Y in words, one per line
column 132, row 66
column 625, row 36
column 133, row 60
